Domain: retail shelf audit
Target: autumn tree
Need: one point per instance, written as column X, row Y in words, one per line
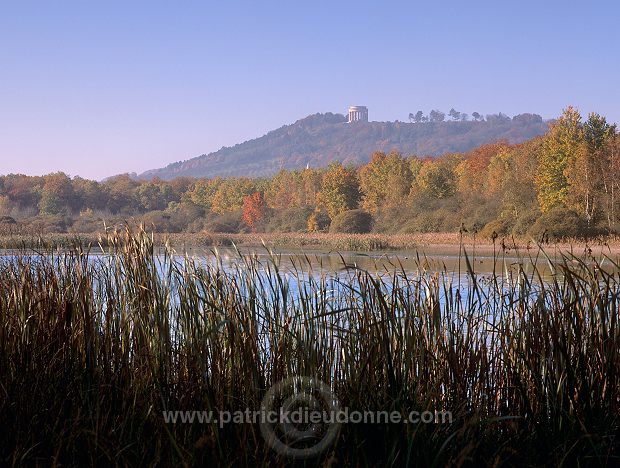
column 202, row 192
column 586, row 170
column 510, row 178
column 574, row 167
column 230, row 194
column 594, row 191
column 121, row 191
column 473, row 169
column 613, row 176
column 438, row 178
column 385, row 181
column 560, row 147
column 339, row 190
column 57, row 195
column 285, row 190
column 254, row 209
column 154, row 196
column 90, row 194
column 415, row 165
column 311, row 186
column 24, row 191
column 6, row 205
column 318, row 221
column 180, row 186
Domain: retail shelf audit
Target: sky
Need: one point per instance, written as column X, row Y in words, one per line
column 101, row 88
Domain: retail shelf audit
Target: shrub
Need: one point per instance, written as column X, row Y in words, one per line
column 502, row 226
column 184, row 215
column 352, row 222
column 525, row 221
column 440, row 220
column 195, row 226
column 159, row 221
column 227, row 223
column 559, row 223
column 7, row 220
column 88, row 224
column 289, row 220
column 481, row 212
column 390, row 220
column 48, row 223
column 318, row 221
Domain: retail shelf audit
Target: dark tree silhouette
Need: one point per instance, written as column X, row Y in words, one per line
column 437, row 116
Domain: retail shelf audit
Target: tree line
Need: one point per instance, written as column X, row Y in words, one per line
column 457, row 116
column 565, row 183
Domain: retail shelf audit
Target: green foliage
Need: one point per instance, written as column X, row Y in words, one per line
column 286, row 190
column 89, row 194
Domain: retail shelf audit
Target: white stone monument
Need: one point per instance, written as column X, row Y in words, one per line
column 358, row 114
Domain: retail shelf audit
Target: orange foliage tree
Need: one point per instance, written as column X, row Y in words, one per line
column 254, row 209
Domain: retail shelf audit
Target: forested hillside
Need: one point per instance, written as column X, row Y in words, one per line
column 320, row 139
column 565, row 183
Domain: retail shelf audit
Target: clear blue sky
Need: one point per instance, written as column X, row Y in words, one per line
column 99, row 88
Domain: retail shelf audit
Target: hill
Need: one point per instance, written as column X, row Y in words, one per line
column 320, row 139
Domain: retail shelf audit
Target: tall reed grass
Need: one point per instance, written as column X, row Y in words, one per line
column 94, row 347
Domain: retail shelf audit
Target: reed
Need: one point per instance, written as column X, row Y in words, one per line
column 445, row 241
column 93, row 348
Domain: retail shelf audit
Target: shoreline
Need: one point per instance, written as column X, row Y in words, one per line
column 429, row 243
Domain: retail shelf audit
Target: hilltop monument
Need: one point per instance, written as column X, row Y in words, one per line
column 358, row 114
